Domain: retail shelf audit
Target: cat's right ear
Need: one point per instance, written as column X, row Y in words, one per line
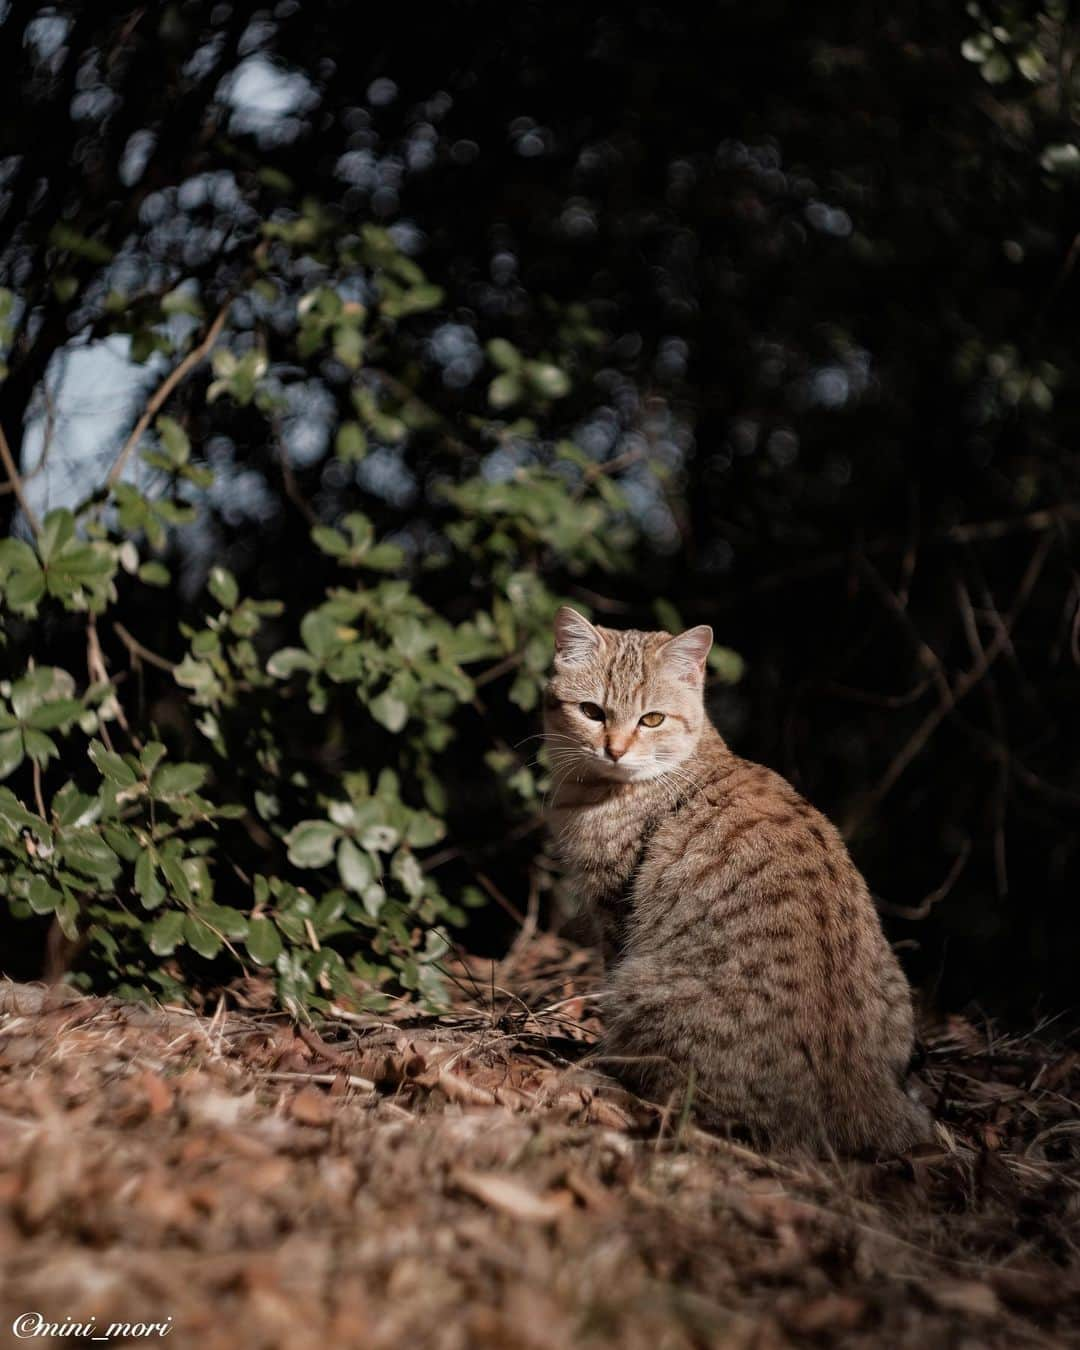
column 576, row 640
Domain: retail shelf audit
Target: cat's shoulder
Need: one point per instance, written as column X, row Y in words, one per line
column 758, row 796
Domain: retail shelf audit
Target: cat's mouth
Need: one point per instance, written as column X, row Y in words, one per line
column 620, row 770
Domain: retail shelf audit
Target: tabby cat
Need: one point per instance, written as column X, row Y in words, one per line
column 749, row 976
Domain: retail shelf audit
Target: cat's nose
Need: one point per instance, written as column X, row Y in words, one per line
column 616, row 751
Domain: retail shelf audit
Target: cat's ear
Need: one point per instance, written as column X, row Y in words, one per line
column 686, row 654
column 576, row 640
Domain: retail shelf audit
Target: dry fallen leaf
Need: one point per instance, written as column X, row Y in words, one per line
column 831, row 1312
column 971, row 1297
column 311, row 1107
column 159, row 1095
column 512, row 1197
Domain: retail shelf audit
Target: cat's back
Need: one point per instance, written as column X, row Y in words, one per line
column 755, row 954
column 744, row 845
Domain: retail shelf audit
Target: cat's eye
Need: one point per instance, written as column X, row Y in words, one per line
column 652, row 719
column 593, row 712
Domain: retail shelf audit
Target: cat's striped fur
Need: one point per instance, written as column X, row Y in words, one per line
column 748, row 968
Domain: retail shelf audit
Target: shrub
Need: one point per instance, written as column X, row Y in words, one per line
column 279, row 817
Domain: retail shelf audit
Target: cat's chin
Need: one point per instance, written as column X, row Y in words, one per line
column 609, row 772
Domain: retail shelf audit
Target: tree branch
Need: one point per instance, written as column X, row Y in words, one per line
column 16, row 483
column 960, row 689
column 168, row 384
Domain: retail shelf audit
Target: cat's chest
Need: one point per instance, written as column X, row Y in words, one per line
column 600, row 845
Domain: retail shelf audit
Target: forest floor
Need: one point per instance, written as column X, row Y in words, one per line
column 463, row 1182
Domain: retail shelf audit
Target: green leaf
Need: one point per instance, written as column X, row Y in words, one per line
column 389, row 711
column 154, row 574
column 69, row 240
column 88, row 854
column 177, row 780
column 72, row 807
column 263, row 942
column 181, row 301
column 43, row 898
column 201, row 938
column 424, row 829
column 407, row 870
column 43, row 685
column 354, row 867
column 223, row 587
column 1061, row 158
column 197, row 675
column 147, row 882
column 419, row 299
column 174, row 440
column 288, row 660
column 504, row 390
column 57, row 529
column 505, row 355
column 174, row 874
column 11, row 752
column 383, row 558
column 311, row 843
column 67, row 916
column 150, row 756
column 111, row 766
column 166, row 932
column 977, row 47
column 38, row 746
column 25, row 588
column 320, row 633
column 373, row 899
column 330, row 541
column 728, row 665
column 350, row 444
column 548, row 379
column 57, row 714
column 997, row 68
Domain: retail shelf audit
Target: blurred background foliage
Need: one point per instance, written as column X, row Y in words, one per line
column 758, row 316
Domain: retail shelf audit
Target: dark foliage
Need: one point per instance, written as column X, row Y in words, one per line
column 831, row 250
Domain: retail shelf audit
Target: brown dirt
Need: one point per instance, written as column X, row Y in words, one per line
column 463, row 1182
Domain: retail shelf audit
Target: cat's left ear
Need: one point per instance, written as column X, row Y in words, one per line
column 576, row 640
column 687, row 653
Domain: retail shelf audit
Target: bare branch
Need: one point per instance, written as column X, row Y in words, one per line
column 139, row 652
column 164, row 389
column 997, row 529
column 16, row 483
column 923, row 908
column 963, row 686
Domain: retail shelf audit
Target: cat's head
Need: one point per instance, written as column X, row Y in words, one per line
column 623, row 705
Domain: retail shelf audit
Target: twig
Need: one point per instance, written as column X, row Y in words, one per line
column 37, row 789
column 292, row 487
column 46, row 444
column 960, row 689
column 501, row 899
column 352, row 1080
column 315, row 1042
column 500, row 668
column 16, row 482
column 928, row 658
column 602, row 468
column 99, row 674
column 923, row 908
column 136, row 649
column 164, row 389
column 996, row 529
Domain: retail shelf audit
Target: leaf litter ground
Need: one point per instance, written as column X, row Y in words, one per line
column 467, row 1181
